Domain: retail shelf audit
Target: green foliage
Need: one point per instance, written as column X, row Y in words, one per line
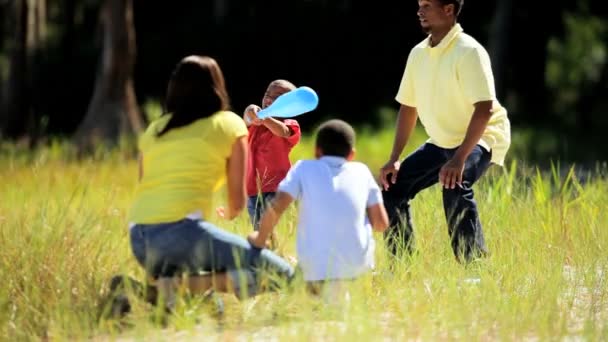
column 63, row 236
column 576, row 62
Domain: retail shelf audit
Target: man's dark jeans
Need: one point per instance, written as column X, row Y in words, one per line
column 419, row 171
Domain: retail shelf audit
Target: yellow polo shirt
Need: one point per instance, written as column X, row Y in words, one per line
column 444, row 82
column 184, row 167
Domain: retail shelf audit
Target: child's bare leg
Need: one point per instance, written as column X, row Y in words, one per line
column 204, row 285
column 220, row 282
column 196, row 284
column 332, row 292
column 167, row 287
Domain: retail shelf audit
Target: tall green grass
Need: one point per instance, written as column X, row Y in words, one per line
column 63, row 235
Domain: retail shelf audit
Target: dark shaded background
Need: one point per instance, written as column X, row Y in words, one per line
column 549, row 58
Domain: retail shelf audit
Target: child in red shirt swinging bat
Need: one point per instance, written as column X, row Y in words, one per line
column 270, row 141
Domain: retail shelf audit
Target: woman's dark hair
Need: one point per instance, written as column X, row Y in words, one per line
column 196, row 90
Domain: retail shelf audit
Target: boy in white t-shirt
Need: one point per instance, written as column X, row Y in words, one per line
column 339, row 204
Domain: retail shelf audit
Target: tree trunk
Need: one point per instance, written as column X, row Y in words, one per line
column 529, row 56
column 17, row 116
column 499, row 43
column 40, row 21
column 67, row 41
column 3, row 84
column 36, row 33
column 113, row 108
column 220, row 9
column 9, row 115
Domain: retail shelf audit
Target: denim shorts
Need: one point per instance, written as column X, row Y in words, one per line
column 196, row 247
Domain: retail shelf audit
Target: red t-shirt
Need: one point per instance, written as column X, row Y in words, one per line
column 268, row 160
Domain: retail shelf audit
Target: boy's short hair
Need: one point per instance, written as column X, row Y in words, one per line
column 283, row 84
column 335, row 138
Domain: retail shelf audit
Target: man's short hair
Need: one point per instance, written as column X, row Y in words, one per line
column 335, row 138
column 457, row 5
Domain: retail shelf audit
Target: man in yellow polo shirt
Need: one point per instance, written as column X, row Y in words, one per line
column 448, row 85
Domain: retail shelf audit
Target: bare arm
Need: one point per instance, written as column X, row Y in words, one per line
column 378, row 217
column 235, row 173
column 140, row 166
column 406, row 121
column 250, row 117
column 277, row 127
column 477, row 126
column 451, row 173
column 270, row 218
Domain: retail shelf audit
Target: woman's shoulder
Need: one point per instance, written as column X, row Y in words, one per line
column 219, row 118
column 227, row 115
column 225, row 123
column 158, row 124
column 229, row 121
column 151, row 132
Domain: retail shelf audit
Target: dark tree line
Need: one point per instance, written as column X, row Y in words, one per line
column 84, row 68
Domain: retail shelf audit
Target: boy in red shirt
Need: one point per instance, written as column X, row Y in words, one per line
column 270, row 141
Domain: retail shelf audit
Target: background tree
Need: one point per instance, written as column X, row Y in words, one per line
column 113, row 110
column 500, row 36
column 549, row 60
column 27, row 26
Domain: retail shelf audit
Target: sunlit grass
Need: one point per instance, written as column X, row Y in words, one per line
column 63, row 235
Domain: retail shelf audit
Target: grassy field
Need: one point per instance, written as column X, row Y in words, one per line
column 63, row 235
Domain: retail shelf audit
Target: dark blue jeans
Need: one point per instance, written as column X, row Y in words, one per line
column 256, row 206
column 194, row 246
column 419, row 171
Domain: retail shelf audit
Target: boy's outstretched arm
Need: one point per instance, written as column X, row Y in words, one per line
column 250, row 117
column 270, row 218
column 277, row 127
column 378, row 217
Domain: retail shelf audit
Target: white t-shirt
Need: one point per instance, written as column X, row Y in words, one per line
column 334, row 238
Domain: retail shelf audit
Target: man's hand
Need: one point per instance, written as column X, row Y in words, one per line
column 255, row 240
column 221, row 212
column 251, row 115
column 392, row 168
column 450, row 174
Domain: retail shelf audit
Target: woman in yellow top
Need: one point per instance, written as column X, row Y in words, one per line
column 185, row 156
